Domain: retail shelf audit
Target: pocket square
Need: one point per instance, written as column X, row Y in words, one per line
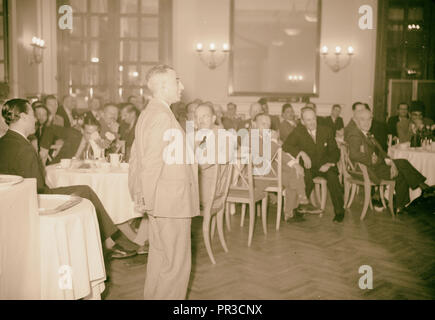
column 325, row 144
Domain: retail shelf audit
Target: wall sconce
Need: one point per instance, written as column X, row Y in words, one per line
column 212, row 60
column 336, row 66
column 37, row 52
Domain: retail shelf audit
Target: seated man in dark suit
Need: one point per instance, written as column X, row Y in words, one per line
column 317, row 147
column 18, row 157
column 320, row 120
column 378, row 129
column 230, row 119
column 364, row 148
column 129, row 115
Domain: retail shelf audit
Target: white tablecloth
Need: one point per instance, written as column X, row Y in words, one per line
column 422, row 160
column 71, row 244
column 111, row 187
column 19, row 242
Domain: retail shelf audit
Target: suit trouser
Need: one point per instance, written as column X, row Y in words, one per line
column 169, row 258
column 408, row 177
column 334, row 187
column 107, row 227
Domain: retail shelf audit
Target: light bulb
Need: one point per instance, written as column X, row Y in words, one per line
column 199, row 47
column 350, row 50
column 212, row 47
column 337, row 49
column 225, row 47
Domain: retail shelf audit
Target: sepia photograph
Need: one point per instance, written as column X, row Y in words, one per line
column 224, row 156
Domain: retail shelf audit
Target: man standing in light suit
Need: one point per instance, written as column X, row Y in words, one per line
column 167, row 192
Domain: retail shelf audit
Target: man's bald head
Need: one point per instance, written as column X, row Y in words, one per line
column 363, row 118
column 204, row 116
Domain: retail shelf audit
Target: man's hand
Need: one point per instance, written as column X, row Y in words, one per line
column 326, row 167
column 374, row 158
column 305, row 158
column 393, row 171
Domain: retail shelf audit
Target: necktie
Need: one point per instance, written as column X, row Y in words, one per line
column 313, row 136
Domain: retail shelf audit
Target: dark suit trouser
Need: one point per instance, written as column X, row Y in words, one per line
column 408, row 177
column 107, row 228
column 335, row 189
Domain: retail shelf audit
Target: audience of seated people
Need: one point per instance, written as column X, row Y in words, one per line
column 19, row 157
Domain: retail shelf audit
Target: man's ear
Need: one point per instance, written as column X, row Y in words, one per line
column 214, row 118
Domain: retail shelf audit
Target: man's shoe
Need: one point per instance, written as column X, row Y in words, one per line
column 338, row 217
column 308, row 208
column 288, row 215
column 298, row 217
column 120, row 253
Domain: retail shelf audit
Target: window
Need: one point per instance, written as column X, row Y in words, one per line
column 112, row 46
column 4, row 74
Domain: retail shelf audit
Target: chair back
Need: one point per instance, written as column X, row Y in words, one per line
column 275, row 173
column 219, row 188
column 243, row 177
column 348, row 168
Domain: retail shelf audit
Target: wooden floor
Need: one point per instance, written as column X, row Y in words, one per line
column 313, row 259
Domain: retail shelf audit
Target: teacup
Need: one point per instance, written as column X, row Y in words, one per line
column 65, row 163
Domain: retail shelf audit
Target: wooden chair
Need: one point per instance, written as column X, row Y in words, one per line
column 215, row 206
column 275, row 180
column 243, row 191
column 321, row 192
column 354, row 178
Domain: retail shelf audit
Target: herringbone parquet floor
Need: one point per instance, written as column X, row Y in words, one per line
column 313, row 259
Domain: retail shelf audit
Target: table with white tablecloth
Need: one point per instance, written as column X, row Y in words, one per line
column 19, row 242
column 423, row 160
column 72, row 262
column 111, row 186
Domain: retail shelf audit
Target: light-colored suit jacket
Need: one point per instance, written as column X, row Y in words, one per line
column 168, row 190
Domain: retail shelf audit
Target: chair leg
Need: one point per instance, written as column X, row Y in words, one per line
column 317, row 187
column 251, row 222
column 206, row 235
column 220, row 228
column 258, row 210
column 242, row 216
column 346, row 193
column 352, row 195
column 371, row 202
column 213, row 226
column 367, row 199
column 313, row 198
column 279, row 210
column 227, row 216
column 390, row 199
column 264, row 214
column 381, row 194
column 233, row 209
column 324, row 190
